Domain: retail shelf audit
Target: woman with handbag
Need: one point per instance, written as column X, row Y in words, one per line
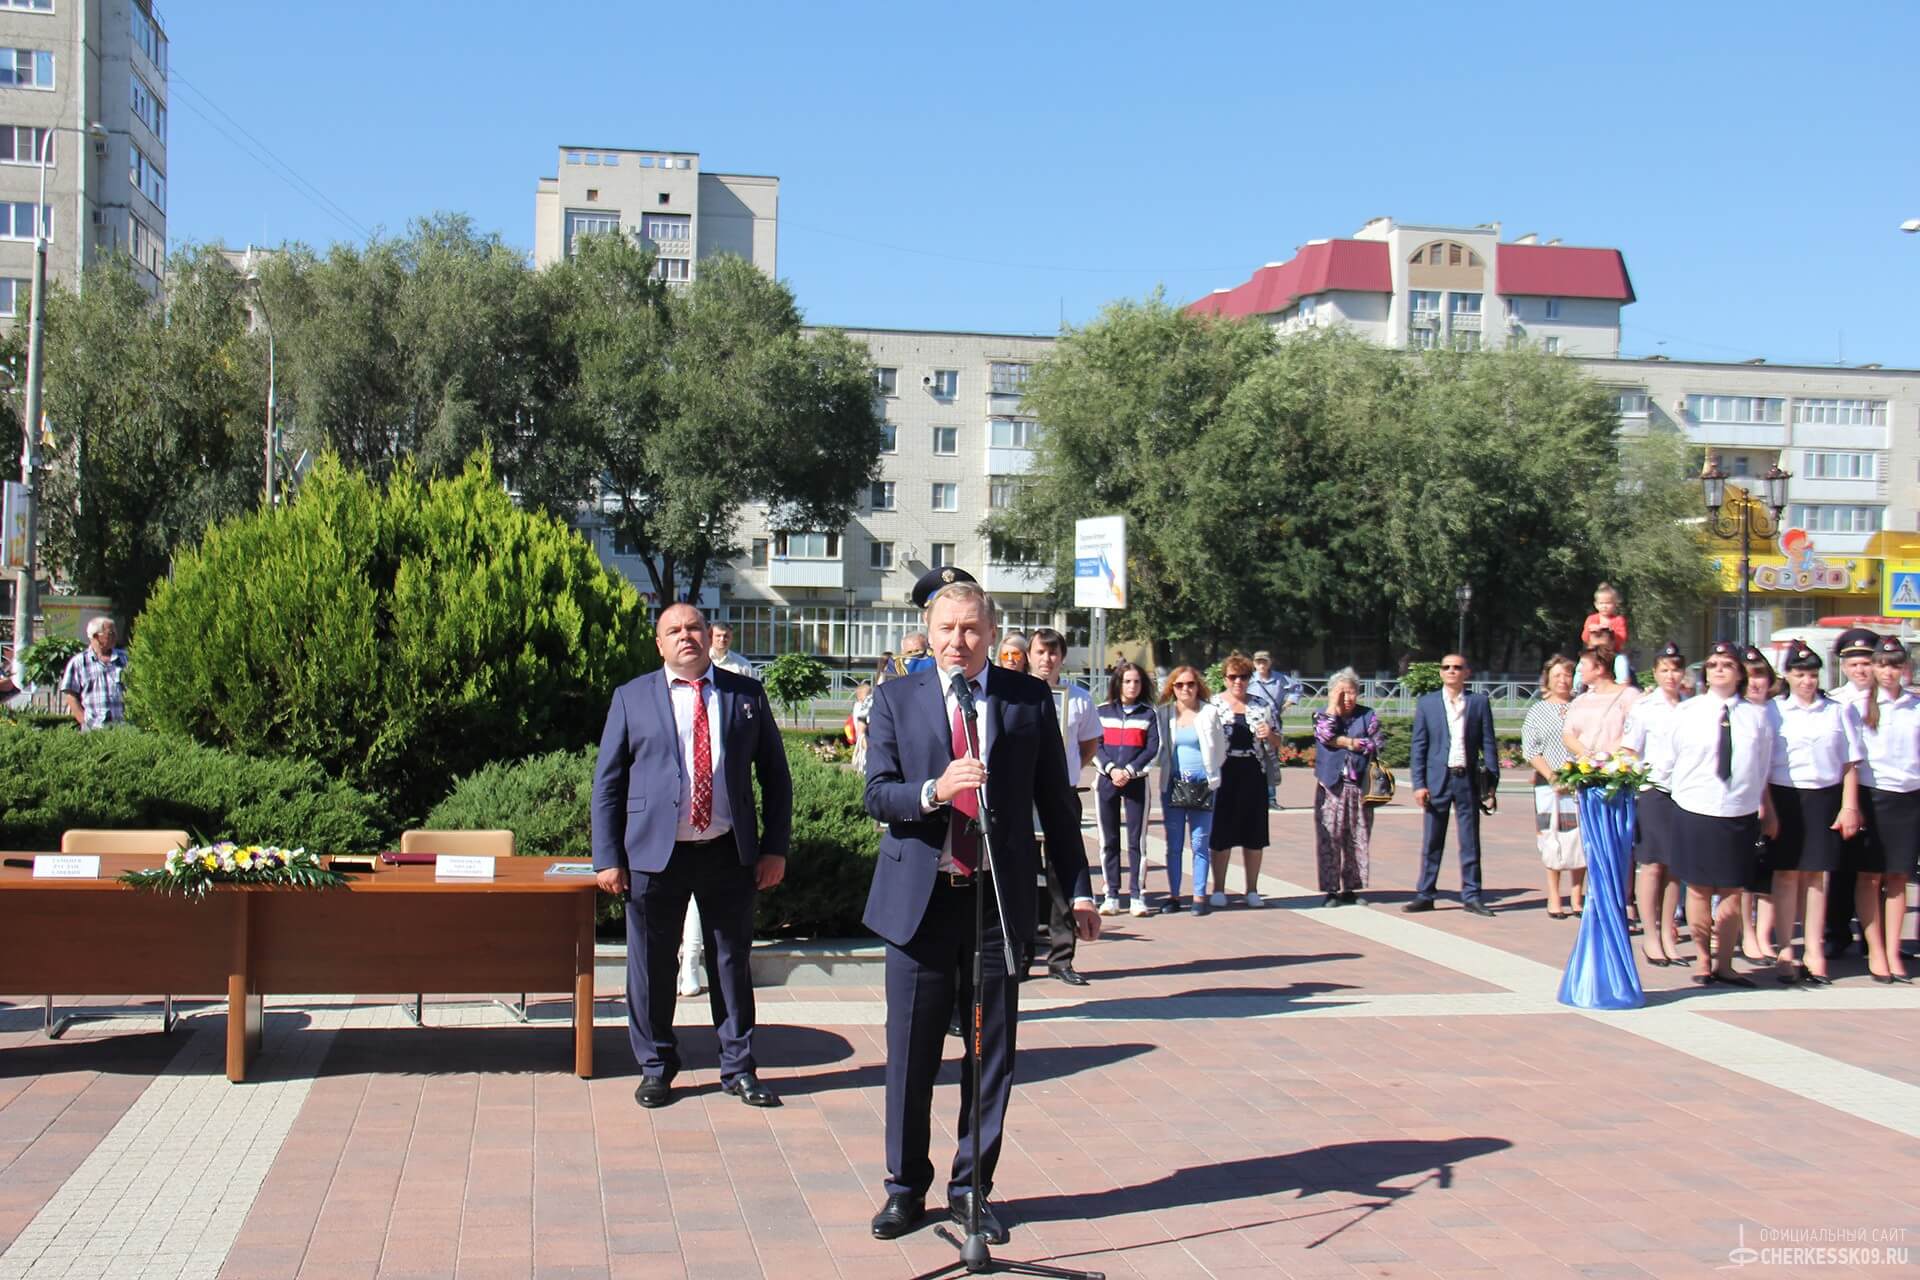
column 1556, row 815
column 1346, row 740
column 1240, row 805
column 1193, row 746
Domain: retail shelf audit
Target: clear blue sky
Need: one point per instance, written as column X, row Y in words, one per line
column 1000, row 167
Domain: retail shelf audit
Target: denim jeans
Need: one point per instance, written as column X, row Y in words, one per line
column 1184, row 827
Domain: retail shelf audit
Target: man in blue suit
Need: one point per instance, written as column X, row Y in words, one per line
column 1452, row 745
column 673, row 820
column 922, row 782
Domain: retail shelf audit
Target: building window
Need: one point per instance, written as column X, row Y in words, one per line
column 886, row 381
column 1423, row 339
column 880, row 495
column 673, row 270
column 1553, row 346
column 1009, row 379
column 151, row 111
column 1424, row 302
column 880, row 555
column 1835, row 518
column 147, row 178
column 1011, row 551
column 889, row 438
column 147, row 249
column 812, row 545
column 661, row 227
column 16, row 220
column 26, row 69
column 44, row 6
column 759, row 553
column 1744, row 409
column 20, row 144
column 14, row 296
column 946, row 496
column 946, row 441
column 1003, row 491
column 1840, row 413
column 1014, row 433
column 1553, row 308
column 1837, row 466
column 942, row 555
column 1463, row 304
column 1445, row 253
column 589, row 222
column 665, row 198
column 146, row 34
column 1630, row 403
column 946, row 382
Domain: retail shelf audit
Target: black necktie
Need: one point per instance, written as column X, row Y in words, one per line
column 1726, row 743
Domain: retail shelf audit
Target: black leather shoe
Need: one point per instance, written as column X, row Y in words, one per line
column 654, row 1091
column 901, row 1214
column 1417, row 904
column 1476, row 906
column 1068, row 974
column 990, row 1226
column 1348, row 898
column 1331, row 900
column 747, row 1087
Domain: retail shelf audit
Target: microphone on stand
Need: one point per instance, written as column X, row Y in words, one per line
column 963, row 694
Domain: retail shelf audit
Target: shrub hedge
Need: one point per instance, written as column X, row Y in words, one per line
column 51, row 780
column 546, row 802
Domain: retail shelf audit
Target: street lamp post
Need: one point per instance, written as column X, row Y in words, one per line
column 1463, row 597
column 30, row 420
column 1713, row 485
column 266, row 319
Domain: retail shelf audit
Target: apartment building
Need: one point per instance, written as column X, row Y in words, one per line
column 83, row 88
column 1408, row 285
column 665, row 200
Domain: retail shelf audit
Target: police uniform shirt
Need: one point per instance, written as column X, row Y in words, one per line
column 1814, row 742
column 1893, row 750
column 1695, row 734
column 1647, row 730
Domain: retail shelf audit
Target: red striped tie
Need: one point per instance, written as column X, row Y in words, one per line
column 966, row 808
column 702, row 759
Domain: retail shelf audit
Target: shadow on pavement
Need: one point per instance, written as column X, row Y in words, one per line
column 1209, row 1003
column 1359, row 1168
column 1220, row 964
column 1033, row 1066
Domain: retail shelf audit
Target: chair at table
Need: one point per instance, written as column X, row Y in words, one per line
column 466, row 844
column 84, row 841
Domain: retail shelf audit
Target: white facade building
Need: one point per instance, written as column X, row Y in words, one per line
column 665, row 200
column 65, row 66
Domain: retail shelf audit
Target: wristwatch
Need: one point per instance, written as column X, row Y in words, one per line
column 927, row 791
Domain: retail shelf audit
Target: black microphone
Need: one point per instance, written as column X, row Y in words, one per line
column 963, row 694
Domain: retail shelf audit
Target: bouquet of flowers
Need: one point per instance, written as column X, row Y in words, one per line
column 1614, row 774
column 194, row 871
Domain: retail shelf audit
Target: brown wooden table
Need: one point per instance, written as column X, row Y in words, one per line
column 396, row 929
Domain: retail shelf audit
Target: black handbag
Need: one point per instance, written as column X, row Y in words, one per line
column 1190, row 793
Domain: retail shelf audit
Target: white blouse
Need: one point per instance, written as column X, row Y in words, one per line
column 1893, row 750
column 1646, row 734
column 1695, row 735
column 1814, row 742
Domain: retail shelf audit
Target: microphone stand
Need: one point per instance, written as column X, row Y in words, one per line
column 974, row 1256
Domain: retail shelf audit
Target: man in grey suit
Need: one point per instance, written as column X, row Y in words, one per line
column 674, row 820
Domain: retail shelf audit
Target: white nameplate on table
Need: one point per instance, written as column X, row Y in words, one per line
column 66, row 866
column 448, row 866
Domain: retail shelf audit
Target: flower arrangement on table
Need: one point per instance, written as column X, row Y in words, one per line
column 1613, row 775
column 194, row 871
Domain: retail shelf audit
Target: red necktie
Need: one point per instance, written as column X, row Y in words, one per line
column 965, row 808
column 702, row 760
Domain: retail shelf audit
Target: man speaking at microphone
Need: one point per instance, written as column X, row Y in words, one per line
column 922, row 781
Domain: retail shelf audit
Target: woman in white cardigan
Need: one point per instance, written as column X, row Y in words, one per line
column 1193, row 745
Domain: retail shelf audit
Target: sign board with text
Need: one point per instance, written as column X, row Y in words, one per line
column 1100, row 563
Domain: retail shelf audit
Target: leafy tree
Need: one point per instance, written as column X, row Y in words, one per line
column 399, row 636
column 155, row 418
column 793, row 678
column 671, row 384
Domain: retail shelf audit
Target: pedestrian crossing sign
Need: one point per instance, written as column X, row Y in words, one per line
column 1902, row 592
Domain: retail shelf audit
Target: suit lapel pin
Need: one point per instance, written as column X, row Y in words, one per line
column 746, row 709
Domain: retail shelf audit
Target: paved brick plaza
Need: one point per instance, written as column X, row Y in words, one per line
column 1289, row 1092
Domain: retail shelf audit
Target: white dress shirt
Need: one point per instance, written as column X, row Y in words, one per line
column 1648, row 734
column 1456, row 728
column 1893, row 749
column 1695, row 735
column 1078, row 723
column 985, row 733
column 1814, row 742
column 682, row 694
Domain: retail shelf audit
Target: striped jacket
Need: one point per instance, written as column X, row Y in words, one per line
column 1129, row 737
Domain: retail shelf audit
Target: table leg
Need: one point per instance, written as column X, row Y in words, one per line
column 246, row 1021
column 583, row 990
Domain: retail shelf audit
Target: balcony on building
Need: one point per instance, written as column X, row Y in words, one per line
column 1010, row 445
column 1739, row 421
column 1019, row 579
column 810, row 559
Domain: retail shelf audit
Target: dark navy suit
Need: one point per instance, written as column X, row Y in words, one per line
column 636, row 814
column 928, row 923
column 1460, row 792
